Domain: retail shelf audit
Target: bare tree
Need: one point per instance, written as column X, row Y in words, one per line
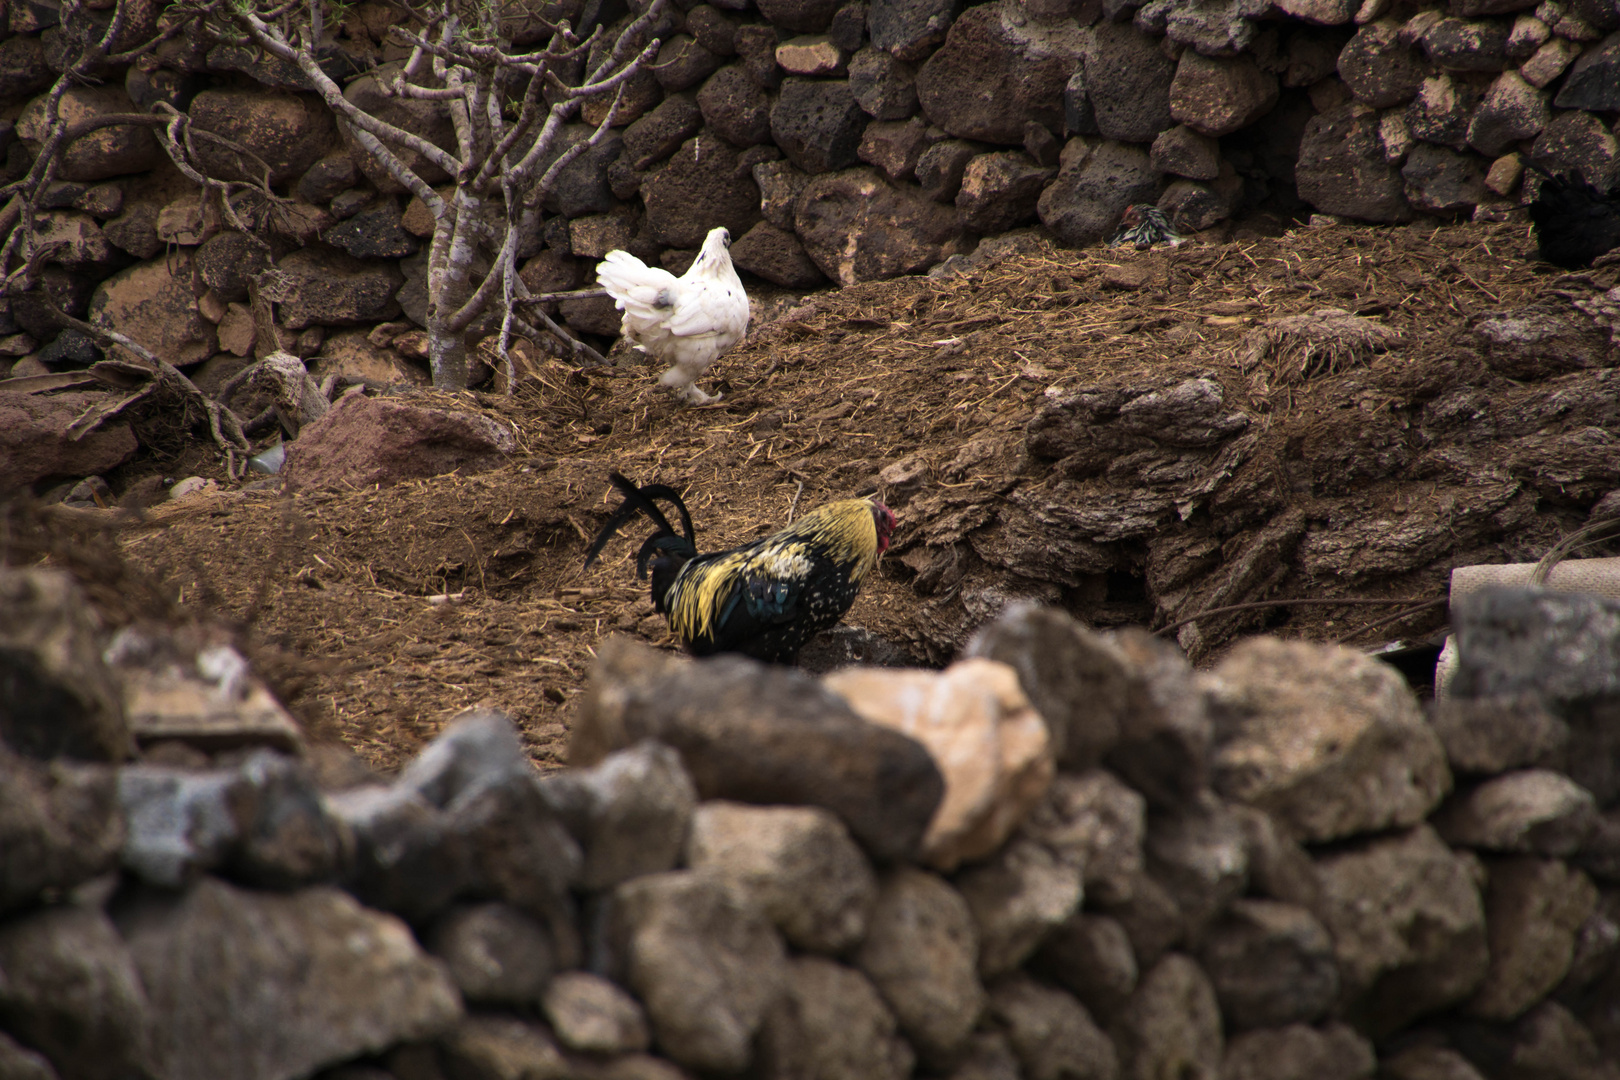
column 508, row 109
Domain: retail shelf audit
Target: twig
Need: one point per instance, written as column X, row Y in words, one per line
column 1302, row 602
column 794, row 504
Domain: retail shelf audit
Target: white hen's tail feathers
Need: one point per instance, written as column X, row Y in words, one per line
column 646, row 294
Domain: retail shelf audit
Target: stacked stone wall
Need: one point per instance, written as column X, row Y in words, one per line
column 837, row 141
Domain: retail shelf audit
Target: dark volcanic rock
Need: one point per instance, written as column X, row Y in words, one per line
column 660, row 132
column 1000, row 191
column 760, row 734
column 630, row 812
column 1380, row 67
column 267, row 985
column 777, row 256
column 1127, row 81
column 72, row 992
column 884, row 87
column 996, row 71
column 704, row 185
column 1342, row 169
column 910, row 29
column 1093, row 187
column 57, row 695
column 227, row 260
column 59, row 826
column 706, row 965
column 374, row 233
column 818, row 124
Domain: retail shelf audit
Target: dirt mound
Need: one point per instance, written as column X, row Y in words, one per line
column 1182, row 467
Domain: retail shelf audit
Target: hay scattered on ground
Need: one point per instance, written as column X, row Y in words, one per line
column 412, row 602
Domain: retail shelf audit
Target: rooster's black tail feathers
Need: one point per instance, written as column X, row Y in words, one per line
column 641, row 500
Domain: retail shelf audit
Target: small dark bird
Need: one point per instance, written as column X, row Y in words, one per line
column 764, row 599
column 1575, row 223
column 1144, row 225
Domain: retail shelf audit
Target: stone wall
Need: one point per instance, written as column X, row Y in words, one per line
column 1065, row 856
column 845, row 141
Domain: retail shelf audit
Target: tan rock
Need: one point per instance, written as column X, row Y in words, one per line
column 811, row 54
column 186, row 221
column 987, row 739
column 1549, row 61
column 236, row 330
column 211, row 307
column 106, row 152
column 82, row 244
column 1505, row 173
column 153, row 303
column 349, row 353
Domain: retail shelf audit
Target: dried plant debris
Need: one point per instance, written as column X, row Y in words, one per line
column 1321, row 342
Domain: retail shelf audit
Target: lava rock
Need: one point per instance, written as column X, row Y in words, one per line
column 1332, row 1052
column 1380, row 66
column 227, row 261
column 832, row 1023
column 1050, row 1033
column 754, row 733
column 884, row 88
column 60, row 826
column 702, row 186
column 1489, row 735
column 1199, row 853
column 858, row 227
column 1271, row 965
column 1017, row 896
column 1376, row 895
column 495, row 953
column 996, row 71
column 1533, row 811
column 365, row 441
column 1077, row 680
column 1000, row 191
column 707, row 966
column 630, row 812
column 1220, row 96
column 910, row 30
column 1342, row 169
column 1127, row 80
column 72, row 992
column 61, row 698
column 777, row 256
column 1533, row 910
column 1171, row 1022
column 1327, row 740
column 921, row 952
column 797, row 864
column 659, row 133
column 256, row 984
column 818, row 124
column 941, row 167
column 592, row 1015
column 1094, row 185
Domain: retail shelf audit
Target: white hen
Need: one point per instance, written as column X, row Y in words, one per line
column 688, row 321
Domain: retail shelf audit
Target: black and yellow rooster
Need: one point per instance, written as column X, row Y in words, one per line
column 764, row 599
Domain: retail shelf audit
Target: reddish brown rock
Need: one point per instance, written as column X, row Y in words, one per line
column 363, row 441
column 36, row 443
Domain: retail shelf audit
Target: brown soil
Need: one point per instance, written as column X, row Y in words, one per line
column 394, row 608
